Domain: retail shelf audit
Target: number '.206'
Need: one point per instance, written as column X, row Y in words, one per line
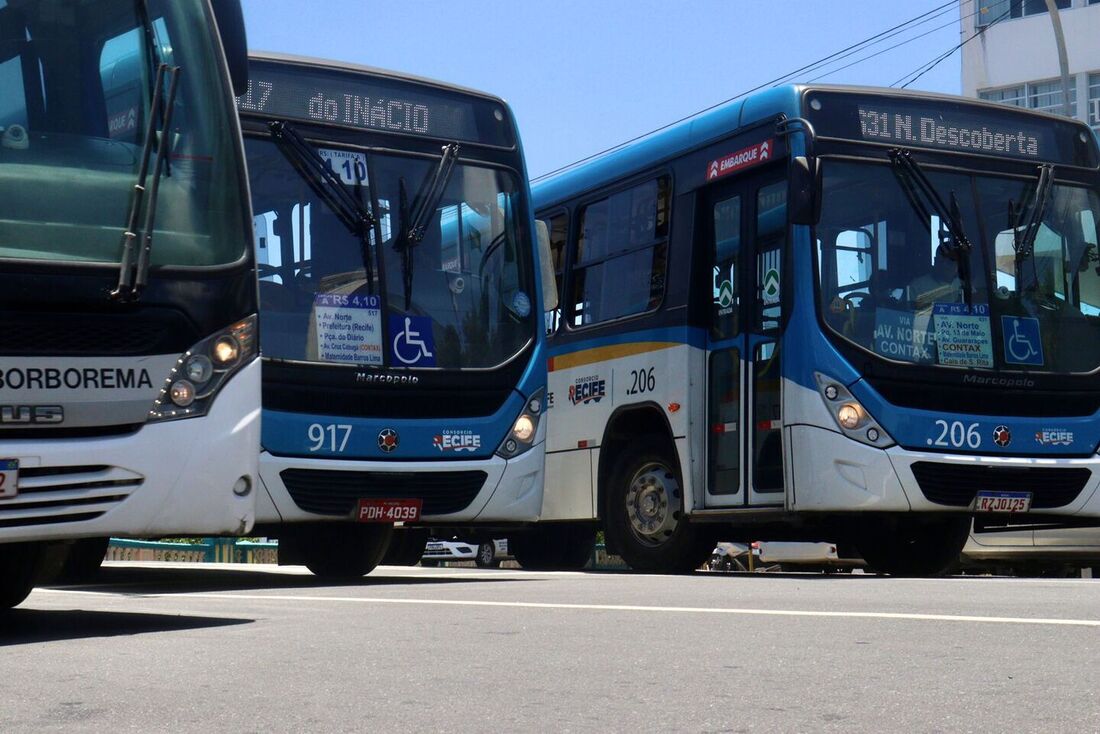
column 958, row 435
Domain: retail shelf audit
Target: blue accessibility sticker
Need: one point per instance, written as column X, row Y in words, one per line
column 411, row 341
column 1022, row 342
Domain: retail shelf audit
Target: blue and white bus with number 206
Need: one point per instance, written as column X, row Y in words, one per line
column 851, row 315
column 400, row 306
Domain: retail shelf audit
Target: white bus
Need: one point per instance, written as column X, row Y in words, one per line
column 129, row 378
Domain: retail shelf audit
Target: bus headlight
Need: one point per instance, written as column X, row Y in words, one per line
column 852, row 418
column 522, row 436
column 201, row 371
column 850, row 415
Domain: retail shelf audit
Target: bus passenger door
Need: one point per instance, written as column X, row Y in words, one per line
column 768, row 237
column 722, row 223
column 745, row 226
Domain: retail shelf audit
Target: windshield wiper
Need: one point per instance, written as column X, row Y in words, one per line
column 131, row 283
column 1024, row 242
column 954, row 244
column 326, row 184
column 415, row 224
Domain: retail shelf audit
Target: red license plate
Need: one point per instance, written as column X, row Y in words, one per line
column 388, row 510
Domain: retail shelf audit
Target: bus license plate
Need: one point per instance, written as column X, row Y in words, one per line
column 9, row 478
column 388, row 510
column 1002, row 502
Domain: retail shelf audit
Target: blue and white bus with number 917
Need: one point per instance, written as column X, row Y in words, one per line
column 839, row 314
column 400, row 311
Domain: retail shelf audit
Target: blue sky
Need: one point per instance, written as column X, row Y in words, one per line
column 583, row 75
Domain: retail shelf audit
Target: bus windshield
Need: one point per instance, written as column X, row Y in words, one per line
column 72, row 134
column 460, row 296
column 894, row 280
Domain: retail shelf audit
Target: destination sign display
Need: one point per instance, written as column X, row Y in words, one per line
column 370, row 102
column 947, row 125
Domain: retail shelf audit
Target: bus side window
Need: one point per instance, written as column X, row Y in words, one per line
column 558, row 226
column 622, row 254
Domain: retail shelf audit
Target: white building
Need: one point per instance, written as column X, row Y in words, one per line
column 1014, row 57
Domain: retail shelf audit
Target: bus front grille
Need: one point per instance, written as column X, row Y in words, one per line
column 327, row 492
column 65, row 494
column 956, row 485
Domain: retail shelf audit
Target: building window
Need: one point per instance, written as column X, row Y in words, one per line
column 993, row 11
column 1094, row 99
column 1015, row 96
column 1045, row 96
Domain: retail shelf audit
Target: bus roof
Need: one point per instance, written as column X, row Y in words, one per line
column 711, row 125
column 282, row 58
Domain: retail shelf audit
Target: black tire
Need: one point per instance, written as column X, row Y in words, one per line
column 19, row 568
column 554, row 547
column 643, row 513
column 912, row 545
column 406, row 546
column 84, row 561
column 487, row 555
column 340, row 550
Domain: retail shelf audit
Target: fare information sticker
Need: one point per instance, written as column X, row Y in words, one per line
column 349, row 328
column 9, row 478
column 963, row 335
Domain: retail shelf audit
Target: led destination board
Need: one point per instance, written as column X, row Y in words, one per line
column 949, row 125
column 377, row 103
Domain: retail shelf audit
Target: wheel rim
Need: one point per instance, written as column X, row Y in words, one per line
column 653, row 503
column 485, row 553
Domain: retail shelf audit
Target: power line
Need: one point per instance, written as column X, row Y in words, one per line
column 928, row 66
column 852, row 48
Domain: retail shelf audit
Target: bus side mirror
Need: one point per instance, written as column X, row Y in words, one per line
column 546, row 267
column 230, row 21
column 804, row 185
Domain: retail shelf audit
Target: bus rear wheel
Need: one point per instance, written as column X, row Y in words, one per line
column 912, row 546
column 340, row 550
column 19, row 563
column 554, row 547
column 644, row 514
column 406, row 546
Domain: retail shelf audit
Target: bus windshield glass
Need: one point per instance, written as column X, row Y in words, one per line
column 457, row 295
column 896, row 281
column 73, row 134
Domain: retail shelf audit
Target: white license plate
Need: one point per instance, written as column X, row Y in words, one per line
column 1002, row 502
column 9, row 478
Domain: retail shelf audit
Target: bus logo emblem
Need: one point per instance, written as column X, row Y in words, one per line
column 1002, row 436
column 388, row 440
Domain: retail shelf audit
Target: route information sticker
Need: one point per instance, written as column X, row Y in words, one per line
column 963, row 335
column 349, row 328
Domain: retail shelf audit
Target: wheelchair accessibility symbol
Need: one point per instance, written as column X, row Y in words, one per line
column 1022, row 342
column 413, row 345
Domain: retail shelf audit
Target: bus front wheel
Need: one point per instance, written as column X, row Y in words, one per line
column 912, row 546
column 19, row 563
column 340, row 550
column 406, row 546
column 644, row 514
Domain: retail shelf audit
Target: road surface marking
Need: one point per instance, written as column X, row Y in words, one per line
column 608, row 607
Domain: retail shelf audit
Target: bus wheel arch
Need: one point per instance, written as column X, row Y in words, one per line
column 642, row 498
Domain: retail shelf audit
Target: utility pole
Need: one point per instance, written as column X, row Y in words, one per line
column 1063, row 57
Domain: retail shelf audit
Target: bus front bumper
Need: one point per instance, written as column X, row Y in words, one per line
column 833, row 473
column 168, row 478
column 510, row 492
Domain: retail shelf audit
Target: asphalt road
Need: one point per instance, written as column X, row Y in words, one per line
column 158, row 647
